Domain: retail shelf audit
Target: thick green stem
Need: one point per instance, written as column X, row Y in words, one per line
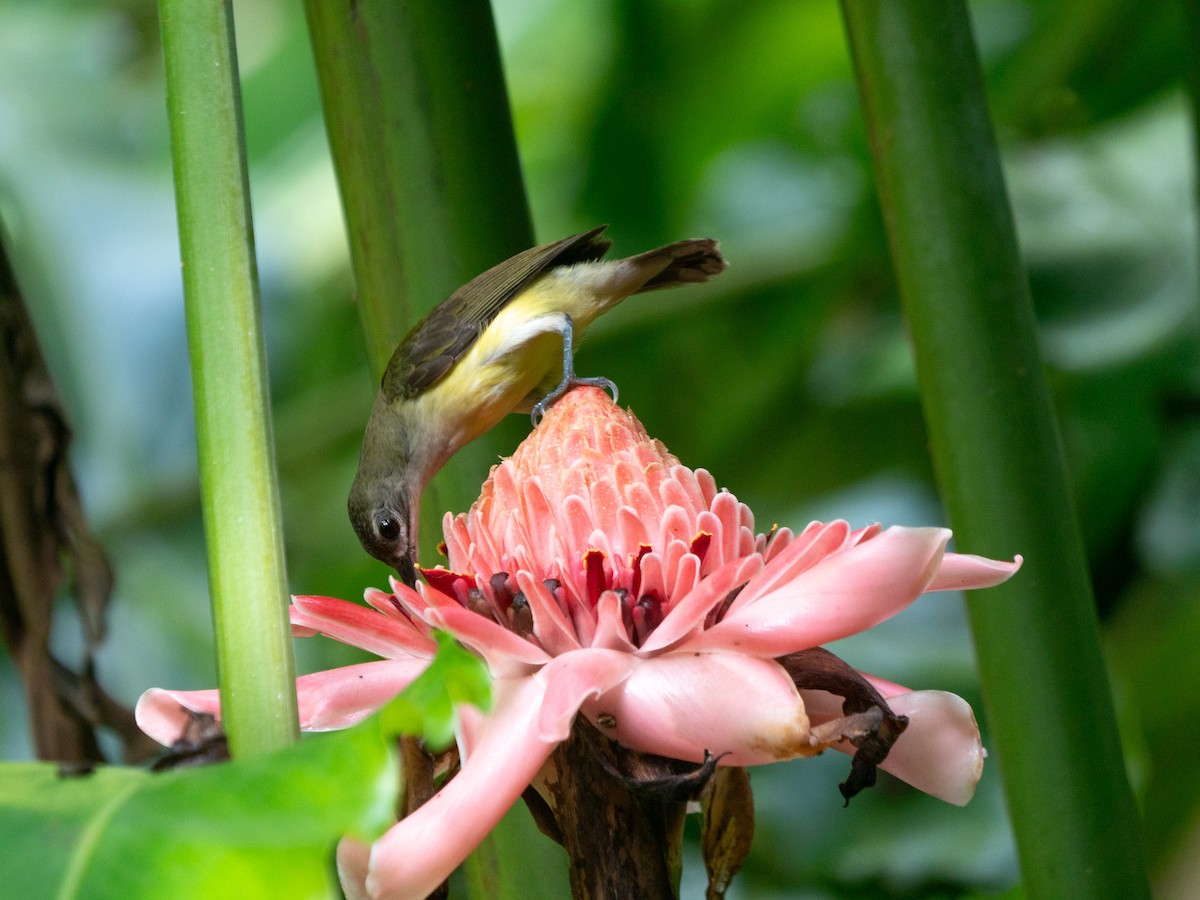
column 996, row 446
column 419, row 126
column 237, row 470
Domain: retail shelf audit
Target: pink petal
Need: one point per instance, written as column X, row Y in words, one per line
column 686, row 616
column 573, row 678
column 631, row 529
column 550, row 626
column 674, row 491
column 847, row 592
column 815, row 543
column 781, row 539
column 705, row 483
column 506, row 653
column 577, row 522
column 457, row 538
column 676, row 525
column 965, row 572
column 939, row 752
column 164, row 714
column 583, row 618
column 672, row 558
column 535, row 513
column 859, row 535
column 605, row 501
column 421, row 850
column 339, row 698
column 414, row 602
column 681, row 704
column 353, row 857
column 388, row 636
column 686, row 575
column 727, row 509
column 654, row 580
column 441, row 590
column 336, row 698
column 378, row 600
column 610, row 627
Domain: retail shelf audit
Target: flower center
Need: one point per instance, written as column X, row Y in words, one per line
column 647, row 585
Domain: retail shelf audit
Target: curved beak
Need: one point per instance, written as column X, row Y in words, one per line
column 405, row 570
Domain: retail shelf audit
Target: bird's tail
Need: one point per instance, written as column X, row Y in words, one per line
column 684, row 262
column 599, row 286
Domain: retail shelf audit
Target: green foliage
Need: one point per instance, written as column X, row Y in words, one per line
column 264, row 827
column 426, row 707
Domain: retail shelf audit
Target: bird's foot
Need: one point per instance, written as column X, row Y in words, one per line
column 551, row 398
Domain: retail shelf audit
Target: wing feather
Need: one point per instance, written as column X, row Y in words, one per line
column 448, row 330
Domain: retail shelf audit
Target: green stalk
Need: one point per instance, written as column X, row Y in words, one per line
column 242, row 523
column 418, row 120
column 422, row 140
column 996, row 446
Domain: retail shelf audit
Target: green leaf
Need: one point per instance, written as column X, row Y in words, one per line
column 426, row 706
column 267, row 825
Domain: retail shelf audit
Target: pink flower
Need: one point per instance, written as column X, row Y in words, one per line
column 597, row 575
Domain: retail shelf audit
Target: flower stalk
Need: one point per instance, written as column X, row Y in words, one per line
column 620, row 841
column 239, row 492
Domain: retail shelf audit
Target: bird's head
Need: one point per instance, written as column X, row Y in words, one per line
column 383, row 512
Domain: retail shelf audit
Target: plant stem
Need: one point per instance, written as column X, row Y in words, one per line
column 620, row 845
column 422, row 140
column 239, row 491
column 996, row 446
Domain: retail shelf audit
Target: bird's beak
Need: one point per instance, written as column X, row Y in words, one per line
column 405, row 570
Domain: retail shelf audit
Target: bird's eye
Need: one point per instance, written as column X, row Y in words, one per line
column 388, row 527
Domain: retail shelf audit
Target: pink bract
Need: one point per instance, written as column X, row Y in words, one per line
column 596, row 575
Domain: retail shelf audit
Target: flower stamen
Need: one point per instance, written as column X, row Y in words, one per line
column 593, row 566
column 721, row 608
column 520, row 616
column 700, row 544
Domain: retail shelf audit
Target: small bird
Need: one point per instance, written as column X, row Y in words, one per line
column 502, row 343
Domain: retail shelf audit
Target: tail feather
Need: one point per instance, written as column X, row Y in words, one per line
column 683, row 262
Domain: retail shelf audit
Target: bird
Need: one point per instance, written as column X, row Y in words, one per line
column 502, row 343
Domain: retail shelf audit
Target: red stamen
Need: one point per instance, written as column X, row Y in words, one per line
column 647, row 615
column 504, row 589
column 452, row 584
column 593, row 565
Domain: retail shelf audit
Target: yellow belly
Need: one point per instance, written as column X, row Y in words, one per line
column 515, row 362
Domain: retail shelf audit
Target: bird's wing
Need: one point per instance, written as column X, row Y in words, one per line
column 450, row 328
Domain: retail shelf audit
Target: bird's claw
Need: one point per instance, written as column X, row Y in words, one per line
column 539, row 411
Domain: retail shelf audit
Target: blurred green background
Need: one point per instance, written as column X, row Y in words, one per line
column 789, row 377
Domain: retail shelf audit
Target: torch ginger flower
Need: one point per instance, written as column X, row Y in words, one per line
column 597, row 575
